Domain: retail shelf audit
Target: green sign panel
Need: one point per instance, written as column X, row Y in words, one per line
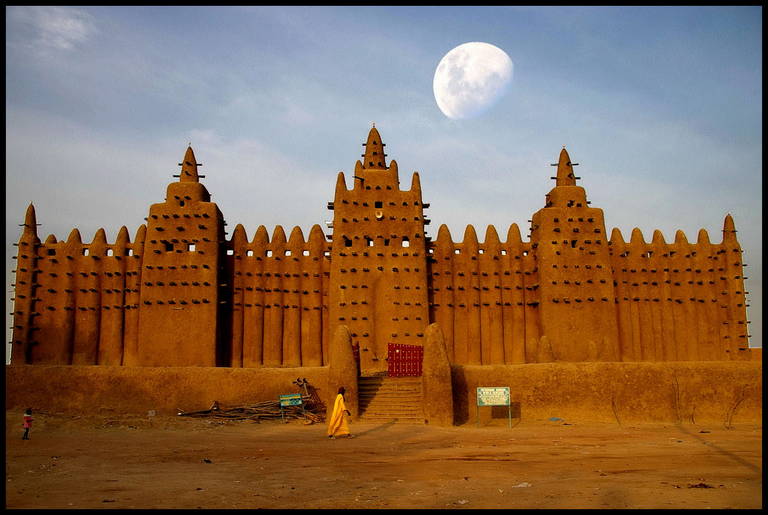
column 291, row 400
column 497, row 396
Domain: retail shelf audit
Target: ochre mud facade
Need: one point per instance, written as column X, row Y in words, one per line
column 681, row 392
column 182, row 294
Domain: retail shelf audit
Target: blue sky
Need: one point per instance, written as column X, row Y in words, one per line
column 661, row 106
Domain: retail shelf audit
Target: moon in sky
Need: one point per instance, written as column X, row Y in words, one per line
column 470, row 79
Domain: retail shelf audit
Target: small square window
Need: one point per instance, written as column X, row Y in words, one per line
column 230, row 252
column 169, row 247
column 249, row 253
column 191, row 247
column 379, row 204
column 85, row 252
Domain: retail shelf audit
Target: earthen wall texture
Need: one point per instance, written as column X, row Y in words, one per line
column 182, row 294
column 622, row 393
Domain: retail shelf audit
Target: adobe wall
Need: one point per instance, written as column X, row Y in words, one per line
column 607, row 392
column 484, row 297
column 574, row 392
column 278, row 298
column 73, row 389
column 680, row 301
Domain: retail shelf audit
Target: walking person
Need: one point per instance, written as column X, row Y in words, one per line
column 337, row 424
column 27, row 423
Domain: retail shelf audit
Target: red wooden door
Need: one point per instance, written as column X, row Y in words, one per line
column 404, row 360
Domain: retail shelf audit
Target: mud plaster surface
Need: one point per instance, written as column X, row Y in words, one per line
column 582, row 392
column 107, row 460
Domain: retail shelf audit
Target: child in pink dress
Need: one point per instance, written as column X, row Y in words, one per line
column 27, row 423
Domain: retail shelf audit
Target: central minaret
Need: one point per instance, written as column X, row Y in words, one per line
column 181, row 303
column 378, row 281
column 576, row 294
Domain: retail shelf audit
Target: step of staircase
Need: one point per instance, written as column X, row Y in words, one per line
column 390, row 399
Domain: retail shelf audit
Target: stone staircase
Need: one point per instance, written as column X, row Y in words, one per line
column 390, row 399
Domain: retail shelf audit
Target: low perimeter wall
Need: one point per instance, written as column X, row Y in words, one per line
column 137, row 390
column 682, row 392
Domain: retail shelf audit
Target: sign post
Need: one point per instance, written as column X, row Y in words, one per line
column 495, row 396
column 293, row 399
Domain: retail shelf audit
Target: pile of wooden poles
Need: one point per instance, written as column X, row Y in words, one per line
column 314, row 409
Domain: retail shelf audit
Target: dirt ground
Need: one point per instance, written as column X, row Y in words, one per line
column 103, row 461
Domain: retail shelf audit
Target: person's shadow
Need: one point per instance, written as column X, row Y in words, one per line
column 375, row 429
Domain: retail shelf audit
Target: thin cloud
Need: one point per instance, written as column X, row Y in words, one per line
column 43, row 29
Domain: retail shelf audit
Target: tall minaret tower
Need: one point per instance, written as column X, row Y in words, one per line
column 179, row 308
column 378, row 278
column 577, row 311
column 25, row 288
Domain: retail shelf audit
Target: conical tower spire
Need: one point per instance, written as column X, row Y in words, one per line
column 374, row 157
column 566, row 193
column 30, row 222
column 729, row 230
column 189, row 167
column 565, row 175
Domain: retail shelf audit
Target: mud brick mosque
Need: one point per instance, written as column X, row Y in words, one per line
column 181, row 294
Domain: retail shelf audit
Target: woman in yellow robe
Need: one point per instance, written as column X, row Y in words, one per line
column 337, row 424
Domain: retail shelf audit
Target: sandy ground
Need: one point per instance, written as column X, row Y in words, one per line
column 117, row 462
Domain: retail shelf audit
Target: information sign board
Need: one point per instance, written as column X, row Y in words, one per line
column 493, row 396
column 497, row 396
column 292, row 399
